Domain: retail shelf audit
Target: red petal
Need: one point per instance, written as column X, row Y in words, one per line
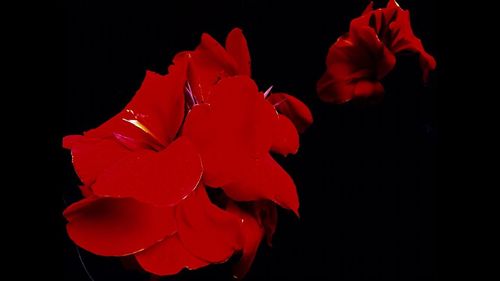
column 163, row 178
column 349, row 58
column 252, row 233
column 241, row 113
column 381, row 60
column 267, row 215
column 330, row 90
column 154, row 114
column 161, row 100
column 200, row 130
column 385, row 63
column 286, row 138
column 368, row 88
column 168, row 257
column 292, row 108
column 117, row 227
column 368, row 9
column 196, row 126
column 236, row 128
column 236, row 46
column 207, row 65
column 264, row 179
column 346, row 62
column 129, row 263
column 206, row 231
column 93, row 156
column 393, row 26
column 86, row 191
column 405, row 40
column 392, row 4
column 210, row 49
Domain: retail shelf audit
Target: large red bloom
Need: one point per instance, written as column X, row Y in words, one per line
column 361, row 58
column 147, row 172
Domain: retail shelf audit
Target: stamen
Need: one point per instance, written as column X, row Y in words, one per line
column 266, row 93
column 188, row 92
column 141, row 126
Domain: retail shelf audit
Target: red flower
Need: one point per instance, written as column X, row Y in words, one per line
column 146, row 172
column 361, row 58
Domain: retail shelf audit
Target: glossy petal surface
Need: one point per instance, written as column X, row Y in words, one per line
column 117, row 227
column 205, row 230
column 252, row 234
column 168, row 257
column 236, row 46
column 92, row 156
column 285, row 136
column 159, row 178
column 154, row 114
column 292, row 108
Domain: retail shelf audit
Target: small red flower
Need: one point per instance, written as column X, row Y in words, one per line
column 148, row 171
column 361, row 58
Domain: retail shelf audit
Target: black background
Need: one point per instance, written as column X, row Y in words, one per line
column 365, row 173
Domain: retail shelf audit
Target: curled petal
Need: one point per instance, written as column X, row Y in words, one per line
column 393, row 27
column 236, row 46
column 292, row 108
column 368, row 8
column 264, row 179
column 405, row 40
column 210, row 49
column 368, row 89
column 267, row 216
column 286, row 138
column 392, row 4
column 205, row 230
column 330, row 90
column 162, row 108
column 252, row 234
column 86, row 191
column 117, row 227
column 92, row 156
column 168, row 257
column 163, row 178
column 208, row 64
column 381, row 60
column 155, row 113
